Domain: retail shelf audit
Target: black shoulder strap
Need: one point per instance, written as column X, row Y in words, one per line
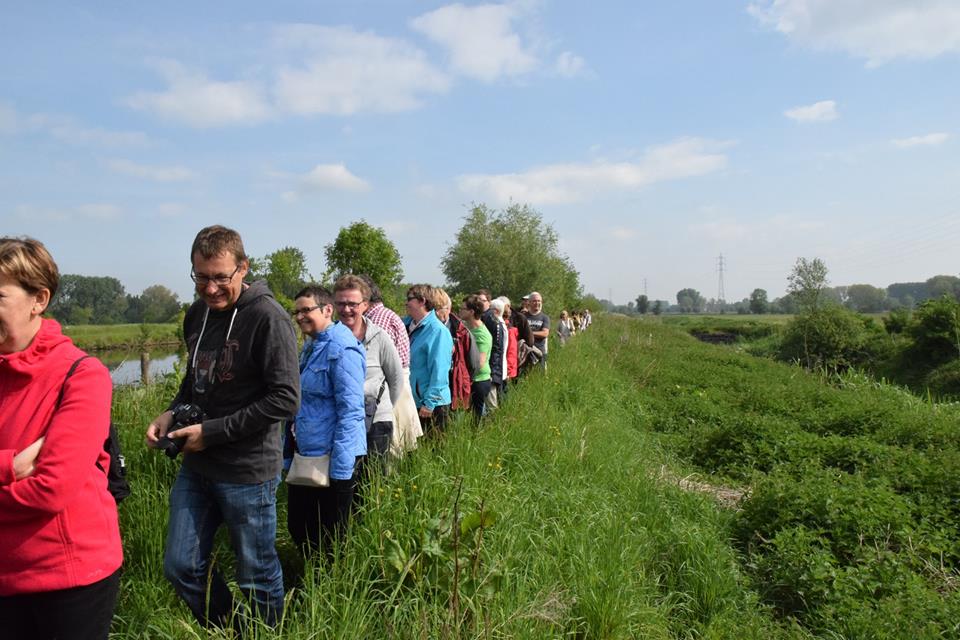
column 73, row 368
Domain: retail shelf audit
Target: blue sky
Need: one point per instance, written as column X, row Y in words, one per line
column 653, row 136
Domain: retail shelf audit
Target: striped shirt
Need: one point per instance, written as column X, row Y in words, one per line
column 390, row 322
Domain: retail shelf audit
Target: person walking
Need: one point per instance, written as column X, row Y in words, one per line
column 242, row 377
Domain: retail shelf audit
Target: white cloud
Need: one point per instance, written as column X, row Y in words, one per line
column 877, row 30
column 569, row 64
column 170, row 209
column 100, row 210
column 97, row 210
column 823, row 111
column 343, row 72
column 574, row 182
column 623, row 233
column 193, row 99
column 34, row 213
column 148, row 172
column 721, row 230
column 333, row 177
column 66, row 129
column 929, row 140
column 480, row 40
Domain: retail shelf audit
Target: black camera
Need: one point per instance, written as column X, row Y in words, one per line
column 184, row 415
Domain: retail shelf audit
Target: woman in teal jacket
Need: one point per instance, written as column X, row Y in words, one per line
column 431, row 352
column 330, row 420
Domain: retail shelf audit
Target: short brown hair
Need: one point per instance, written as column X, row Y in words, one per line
column 29, row 263
column 214, row 240
column 473, row 303
column 321, row 295
column 423, row 292
column 350, row 281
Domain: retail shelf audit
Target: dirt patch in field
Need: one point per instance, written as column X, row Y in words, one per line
column 727, row 497
column 715, row 337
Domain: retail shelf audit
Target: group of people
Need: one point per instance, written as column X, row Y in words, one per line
column 364, row 386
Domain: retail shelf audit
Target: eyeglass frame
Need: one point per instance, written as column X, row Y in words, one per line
column 302, row 312
column 220, row 281
column 350, row 304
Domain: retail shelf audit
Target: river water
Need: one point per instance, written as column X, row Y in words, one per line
column 125, row 368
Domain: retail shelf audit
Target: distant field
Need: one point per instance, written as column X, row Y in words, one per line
column 122, row 336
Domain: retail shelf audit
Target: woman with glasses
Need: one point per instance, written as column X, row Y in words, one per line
column 60, row 564
column 330, row 421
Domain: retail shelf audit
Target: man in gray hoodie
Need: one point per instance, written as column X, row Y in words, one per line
column 242, row 373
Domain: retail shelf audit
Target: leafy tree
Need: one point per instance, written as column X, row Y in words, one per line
column 134, row 312
column 936, row 330
column 865, row 298
column 758, row 301
column 159, row 304
column 908, row 293
column 939, row 286
column 658, row 307
column 591, row 302
column 690, row 301
column 364, row 249
column 643, row 304
column 285, row 271
column 511, row 252
column 89, row 300
column 806, row 283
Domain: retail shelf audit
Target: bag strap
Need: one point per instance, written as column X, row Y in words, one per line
column 382, row 387
column 63, row 387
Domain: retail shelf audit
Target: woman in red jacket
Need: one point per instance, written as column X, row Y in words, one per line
column 60, row 564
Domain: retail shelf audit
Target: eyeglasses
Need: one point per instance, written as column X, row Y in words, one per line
column 304, row 311
column 219, row 280
column 347, row 304
column 409, row 298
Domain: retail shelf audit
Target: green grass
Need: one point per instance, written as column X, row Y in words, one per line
column 849, row 530
column 586, row 543
column 117, row 336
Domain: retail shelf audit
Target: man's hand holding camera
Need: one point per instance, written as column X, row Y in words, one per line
column 176, row 430
column 191, row 438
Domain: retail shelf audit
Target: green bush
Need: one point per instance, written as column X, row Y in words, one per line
column 830, row 338
column 936, row 331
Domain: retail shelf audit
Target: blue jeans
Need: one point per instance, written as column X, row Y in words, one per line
column 198, row 506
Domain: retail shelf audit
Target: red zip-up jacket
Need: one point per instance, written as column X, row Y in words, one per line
column 58, row 527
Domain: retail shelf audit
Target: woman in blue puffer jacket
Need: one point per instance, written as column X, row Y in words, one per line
column 330, row 420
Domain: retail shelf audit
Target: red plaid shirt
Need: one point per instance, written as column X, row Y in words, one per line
column 390, row 322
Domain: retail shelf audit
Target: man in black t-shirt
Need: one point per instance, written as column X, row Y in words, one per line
column 539, row 325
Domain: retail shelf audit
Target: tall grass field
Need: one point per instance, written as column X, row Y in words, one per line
column 570, row 513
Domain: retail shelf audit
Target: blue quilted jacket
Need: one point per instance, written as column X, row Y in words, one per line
column 330, row 421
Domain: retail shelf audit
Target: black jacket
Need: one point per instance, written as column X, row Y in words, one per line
column 247, row 382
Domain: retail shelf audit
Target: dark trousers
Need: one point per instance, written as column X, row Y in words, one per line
column 80, row 613
column 317, row 517
column 437, row 422
column 478, row 397
column 375, row 462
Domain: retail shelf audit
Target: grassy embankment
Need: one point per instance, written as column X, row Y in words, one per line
column 590, row 539
column 123, row 336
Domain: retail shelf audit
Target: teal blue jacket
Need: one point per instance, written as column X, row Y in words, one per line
column 431, row 353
